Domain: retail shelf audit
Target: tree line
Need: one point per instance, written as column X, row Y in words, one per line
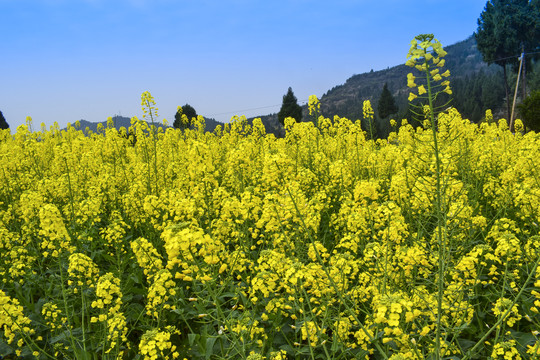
column 506, row 28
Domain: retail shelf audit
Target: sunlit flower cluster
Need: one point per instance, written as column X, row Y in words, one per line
column 506, row 350
column 156, row 344
column 109, row 302
column 147, row 257
column 82, row 271
column 53, row 316
column 55, row 238
column 161, row 289
column 13, row 323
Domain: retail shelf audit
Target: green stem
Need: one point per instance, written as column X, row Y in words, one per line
column 500, row 328
column 154, row 130
column 82, row 320
column 68, row 325
column 439, row 214
column 70, row 190
column 317, row 327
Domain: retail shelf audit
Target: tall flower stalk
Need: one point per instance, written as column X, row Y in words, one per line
column 150, row 110
column 426, row 55
column 368, row 116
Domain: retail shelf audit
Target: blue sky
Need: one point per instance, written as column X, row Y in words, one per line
column 64, row 60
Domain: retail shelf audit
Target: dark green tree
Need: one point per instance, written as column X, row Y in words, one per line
column 530, row 111
column 3, row 122
column 505, row 27
column 190, row 113
column 290, row 108
column 387, row 105
column 534, row 6
column 492, row 92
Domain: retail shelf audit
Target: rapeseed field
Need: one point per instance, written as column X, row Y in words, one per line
column 324, row 244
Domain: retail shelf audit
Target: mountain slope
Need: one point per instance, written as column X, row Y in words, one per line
column 463, row 60
column 122, row 121
column 476, row 87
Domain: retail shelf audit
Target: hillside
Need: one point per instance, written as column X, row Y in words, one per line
column 476, row 87
column 123, row 121
column 463, row 60
column 119, row 121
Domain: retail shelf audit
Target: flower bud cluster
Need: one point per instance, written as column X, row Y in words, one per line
column 148, row 105
column 426, row 55
column 314, row 105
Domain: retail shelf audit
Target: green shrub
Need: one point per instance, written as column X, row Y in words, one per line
column 530, row 111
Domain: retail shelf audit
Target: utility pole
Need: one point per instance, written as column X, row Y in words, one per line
column 524, row 74
column 516, row 91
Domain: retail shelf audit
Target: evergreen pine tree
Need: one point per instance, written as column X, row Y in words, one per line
column 187, row 110
column 3, row 122
column 505, row 27
column 387, row 105
column 290, row 108
column 530, row 111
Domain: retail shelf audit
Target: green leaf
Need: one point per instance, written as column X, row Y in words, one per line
column 136, row 279
column 83, row 355
column 210, row 346
column 5, row 349
column 466, row 344
column 64, row 335
column 524, row 338
column 178, row 311
column 192, row 338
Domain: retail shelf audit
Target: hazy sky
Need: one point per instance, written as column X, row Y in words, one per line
column 64, row 60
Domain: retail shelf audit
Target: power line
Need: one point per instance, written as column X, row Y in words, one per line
column 251, row 109
column 516, row 56
column 305, row 101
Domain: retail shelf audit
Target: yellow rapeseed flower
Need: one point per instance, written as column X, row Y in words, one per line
column 410, row 80
column 314, row 105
